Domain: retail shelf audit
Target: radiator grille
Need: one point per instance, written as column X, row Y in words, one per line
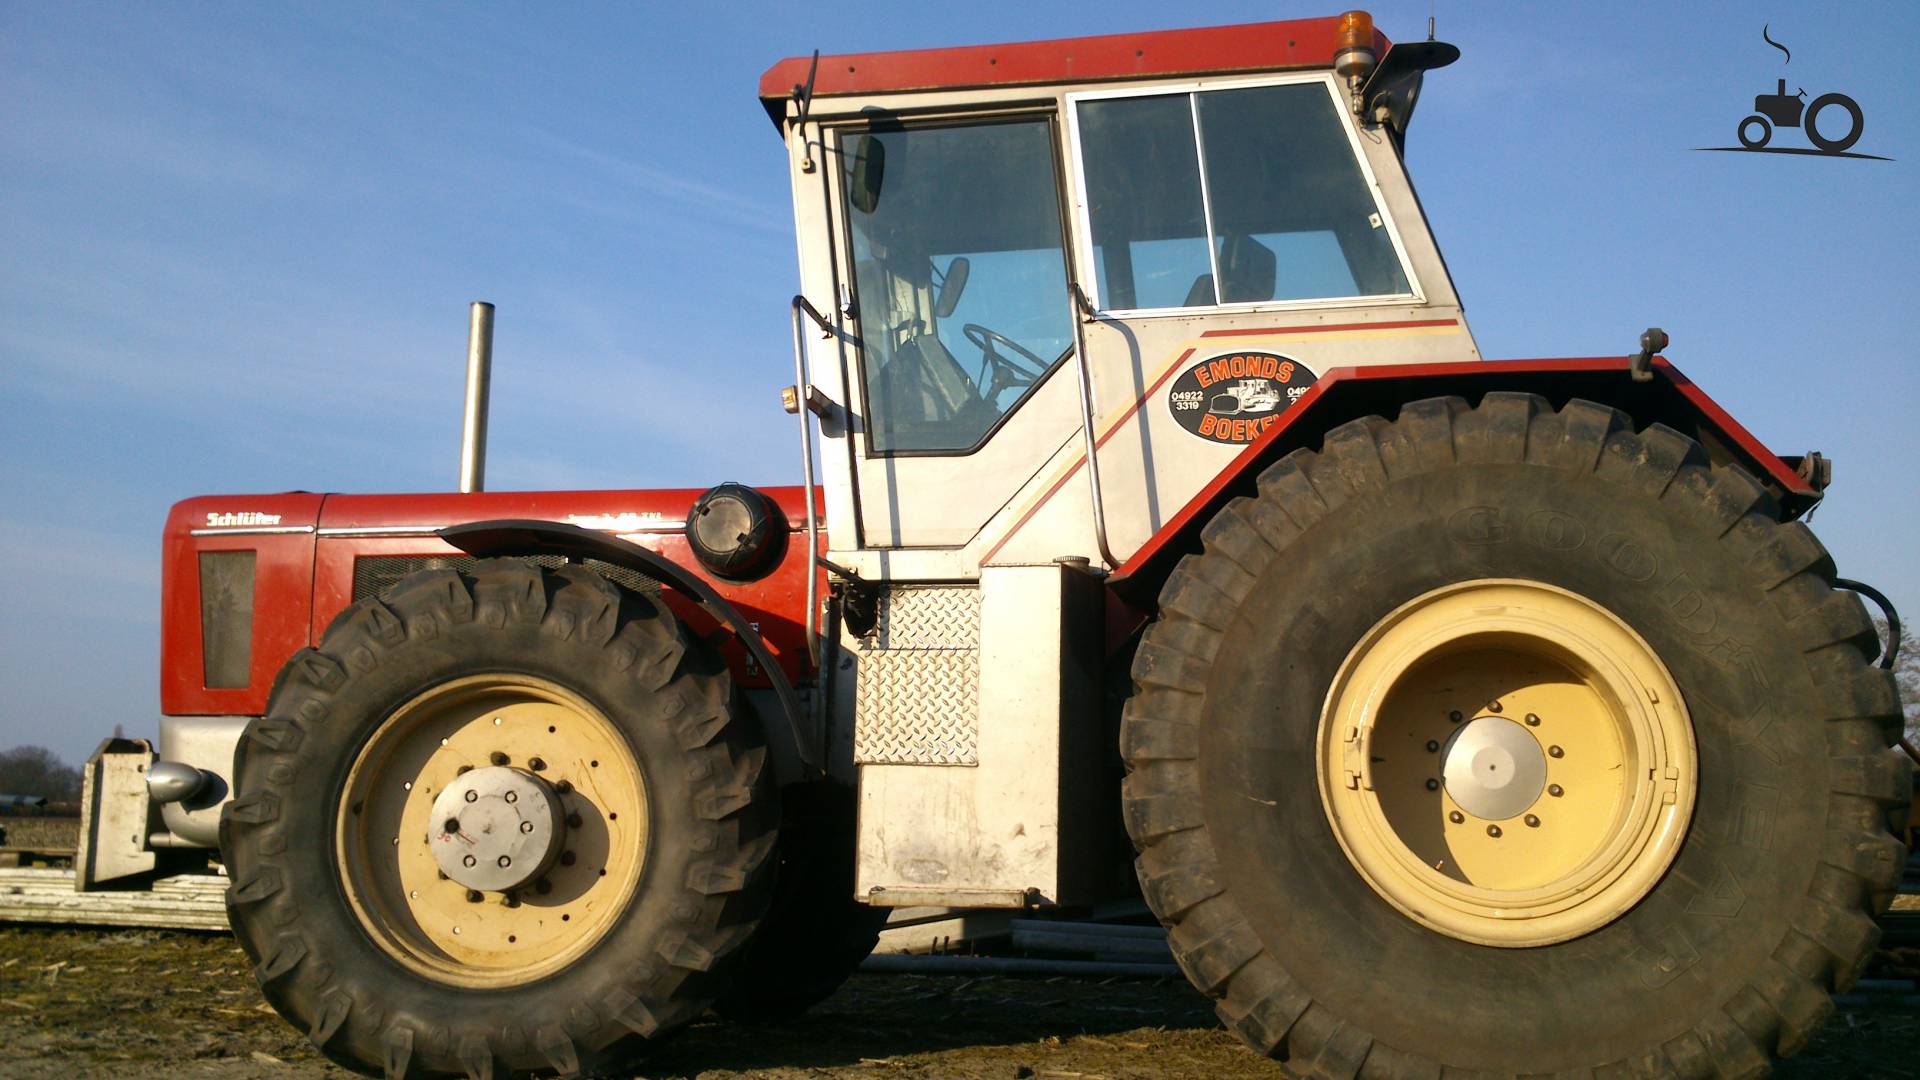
column 376, row 575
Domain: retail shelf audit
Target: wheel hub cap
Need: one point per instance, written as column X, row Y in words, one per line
column 496, row 828
column 1494, row 768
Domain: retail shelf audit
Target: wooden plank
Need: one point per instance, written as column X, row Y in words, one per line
column 47, row 896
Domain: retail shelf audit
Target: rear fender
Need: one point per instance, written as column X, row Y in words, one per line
column 1345, row 394
column 518, row 537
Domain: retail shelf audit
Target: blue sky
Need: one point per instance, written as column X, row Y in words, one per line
column 237, row 242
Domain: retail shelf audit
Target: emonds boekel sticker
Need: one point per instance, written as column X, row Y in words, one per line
column 1232, row 399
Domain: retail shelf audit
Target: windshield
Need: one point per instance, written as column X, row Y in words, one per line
column 959, row 272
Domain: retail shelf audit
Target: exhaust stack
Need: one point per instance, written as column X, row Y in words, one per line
column 473, row 422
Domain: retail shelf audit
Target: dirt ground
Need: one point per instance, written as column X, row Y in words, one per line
column 93, row 1003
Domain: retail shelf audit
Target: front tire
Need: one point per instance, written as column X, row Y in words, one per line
column 581, row 701
column 1721, row 962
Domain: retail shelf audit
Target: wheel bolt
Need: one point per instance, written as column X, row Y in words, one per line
column 512, row 795
column 1493, row 706
column 566, row 858
column 498, row 758
column 1432, row 746
column 452, row 826
column 1533, row 821
column 463, row 770
column 505, row 862
column 442, row 873
column 469, row 861
column 526, row 826
column 1554, row 751
column 1556, row 790
column 474, row 896
column 573, row 820
column 562, row 786
column 1454, row 716
column 1456, row 817
column 1433, row 785
column 511, row 901
column 536, row 764
column 1493, row 831
column 472, row 795
column 543, row 886
column 1533, row 720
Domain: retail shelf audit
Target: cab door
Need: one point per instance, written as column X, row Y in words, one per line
column 955, row 245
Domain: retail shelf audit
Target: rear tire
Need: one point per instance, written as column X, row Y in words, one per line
column 1725, row 961
column 361, row 969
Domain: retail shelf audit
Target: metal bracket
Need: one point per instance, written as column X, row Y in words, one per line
column 1640, row 364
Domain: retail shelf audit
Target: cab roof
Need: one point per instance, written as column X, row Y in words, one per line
column 1216, row 50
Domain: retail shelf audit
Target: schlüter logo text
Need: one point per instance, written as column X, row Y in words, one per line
column 243, row 518
column 1232, row 399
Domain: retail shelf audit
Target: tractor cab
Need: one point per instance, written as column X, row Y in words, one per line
column 1149, row 245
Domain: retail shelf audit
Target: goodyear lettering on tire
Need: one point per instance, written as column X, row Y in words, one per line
column 1236, row 397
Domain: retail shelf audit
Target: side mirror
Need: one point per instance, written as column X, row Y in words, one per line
column 869, row 168
column 951, row 286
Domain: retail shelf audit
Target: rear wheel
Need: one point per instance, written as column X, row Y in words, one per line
column 1511, row 740
column 506, row 820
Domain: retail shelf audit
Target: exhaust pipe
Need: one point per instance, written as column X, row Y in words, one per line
column 473, row 421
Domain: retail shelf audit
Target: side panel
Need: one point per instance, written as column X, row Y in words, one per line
column 974, row 788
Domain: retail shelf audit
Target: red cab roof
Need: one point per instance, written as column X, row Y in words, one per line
column 1269, row 46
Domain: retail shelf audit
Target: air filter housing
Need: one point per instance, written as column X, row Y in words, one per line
column 736, row 532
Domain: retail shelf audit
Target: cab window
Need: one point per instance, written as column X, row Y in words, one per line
column 959, row 274
column 1240, row 195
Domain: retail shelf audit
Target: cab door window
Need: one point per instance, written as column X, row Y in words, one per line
column 960, row 275
column 1238, row 195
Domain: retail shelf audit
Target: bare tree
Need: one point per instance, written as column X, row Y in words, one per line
column 36, row 770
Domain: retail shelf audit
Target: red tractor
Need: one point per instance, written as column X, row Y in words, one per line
column 1496, row 717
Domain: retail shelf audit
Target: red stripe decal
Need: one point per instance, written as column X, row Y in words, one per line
column 1263, row 331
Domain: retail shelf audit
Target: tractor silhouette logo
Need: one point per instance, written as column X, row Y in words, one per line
column 1840, row 114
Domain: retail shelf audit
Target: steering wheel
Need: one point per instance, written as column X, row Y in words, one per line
column 1004, row 374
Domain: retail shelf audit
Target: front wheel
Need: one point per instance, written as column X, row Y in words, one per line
column 504, row 820
column 1509, row 740
column 1754, row 132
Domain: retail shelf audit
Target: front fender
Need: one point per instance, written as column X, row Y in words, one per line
column 525, row 536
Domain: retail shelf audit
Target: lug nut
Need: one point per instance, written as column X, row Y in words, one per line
column 452, row 825
column 474, row 896
column 526, row 826
column 442, row 873
column 1493, row 831
column 463, row 770
column 562, row 786
column 1454, row 716
column 511, row 795
column 1554, row 751
column 573, row 820
column 536, row 764
column 1456, row 817
column 1432, row 746
column 505, row 862
column 1556, row 790
column 1493, row 706
column 498, row 758
column 543, row 886
column 511, row 901
column 566, row 858
column 469, row 861
column 1533, row 821
column 1433, row 785
column 1533, row 720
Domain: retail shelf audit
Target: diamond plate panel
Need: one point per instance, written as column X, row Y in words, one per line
column 938, row 617
column 917, row 699
column 918, row 707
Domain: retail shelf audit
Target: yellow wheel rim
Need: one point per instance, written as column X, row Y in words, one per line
column 1507, row 763
column 529, row 734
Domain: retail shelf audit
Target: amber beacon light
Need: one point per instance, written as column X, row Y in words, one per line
column 1353, row 57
